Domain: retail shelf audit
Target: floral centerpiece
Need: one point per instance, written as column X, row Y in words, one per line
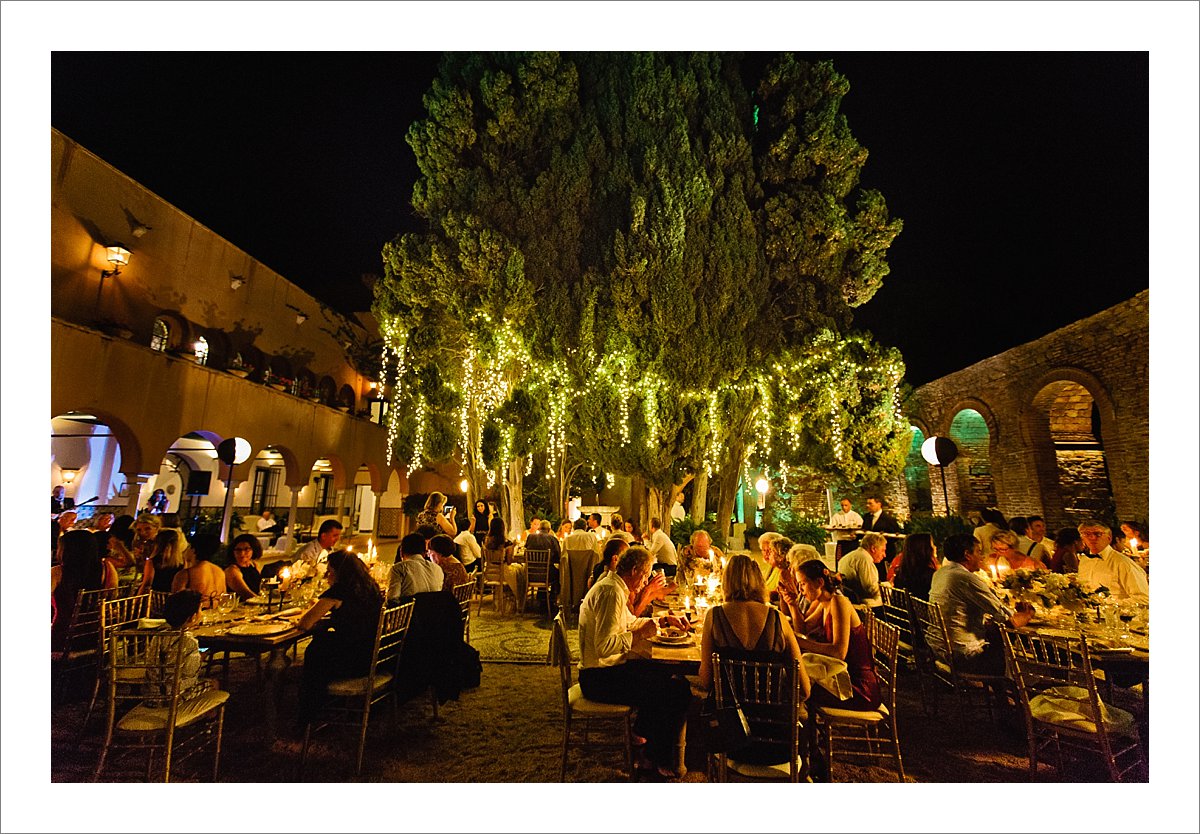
column 1050, row 589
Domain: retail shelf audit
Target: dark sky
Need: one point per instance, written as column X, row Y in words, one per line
column 1021, row 177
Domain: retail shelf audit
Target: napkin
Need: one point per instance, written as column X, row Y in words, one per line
column 287, row 612
column 828, row 672
column 151, row 622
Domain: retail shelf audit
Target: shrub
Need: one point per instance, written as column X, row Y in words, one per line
column 939, row 526
column 681, row 531
column 806, row 531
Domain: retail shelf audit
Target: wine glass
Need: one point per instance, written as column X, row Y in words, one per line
column 227, row 604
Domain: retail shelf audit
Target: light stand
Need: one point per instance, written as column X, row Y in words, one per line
column 940, row 452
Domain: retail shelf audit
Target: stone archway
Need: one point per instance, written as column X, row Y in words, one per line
column 918, row 478
column 1062, row 428
column 972, row 432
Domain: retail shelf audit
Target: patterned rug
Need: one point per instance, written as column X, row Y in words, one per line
column 512, row 638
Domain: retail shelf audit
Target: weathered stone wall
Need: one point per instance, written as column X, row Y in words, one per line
column 1030, row 397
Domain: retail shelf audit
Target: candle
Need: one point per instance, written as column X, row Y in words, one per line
column 1133, row 544
column 687, row 603
column 995, row 573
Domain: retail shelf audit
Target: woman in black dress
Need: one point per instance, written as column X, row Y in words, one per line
column 354, row 603
column 243, row 576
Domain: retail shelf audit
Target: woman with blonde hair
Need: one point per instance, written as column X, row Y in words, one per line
column 165, row 560
column 432, row 515
column 512, row 571
column 744, row 627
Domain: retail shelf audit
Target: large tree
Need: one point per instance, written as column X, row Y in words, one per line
column 619, row 249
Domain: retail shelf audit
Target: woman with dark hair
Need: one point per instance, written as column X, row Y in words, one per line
column 442, row 548
column 80, row 569
column 513, row 572
column 1138, row 530
column 165, row 560
column 913, row 569
column 243, row 576
column 481, row 517
column 1067, row 547
column 843, row 637
column 354, row 603
column 201, row 575
column 119, row 554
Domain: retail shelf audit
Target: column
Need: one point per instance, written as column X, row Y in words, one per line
column 135, row 481
column 293, row 509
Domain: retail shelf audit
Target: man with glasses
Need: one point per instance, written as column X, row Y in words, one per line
column 1103, row 566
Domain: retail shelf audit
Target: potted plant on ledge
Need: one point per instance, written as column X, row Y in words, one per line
column 239, row 367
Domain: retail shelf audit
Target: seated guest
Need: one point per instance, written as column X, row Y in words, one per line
column 766, row 545
column 441, row 548
column 1103, row 566
column 969, row 607
column 745, row 623
column 354, row 604
column 120, row 556
column 317, row 550
column 146, row 529
column 791, row 601
column 842, row 635
column 860, row 576
column 200, row 574
column 619, row 529
column 267, row 523
column 467, row 547
column 413, row 573
column 1138, row 530
column 613, row 548
column 700, row 553
column 1067, row 547
column 1007, row 556
column 914, row 568
column 607, row 672
column 80, row 568
column 512, row 572
column 1032, row 540
column 180, row 610
column 164, row 562
column 579, row 538
column 993, row 522
column 243, row 576
column 543, row 539
column 564, row 529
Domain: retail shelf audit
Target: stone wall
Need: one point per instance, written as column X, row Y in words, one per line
column 1042, row 452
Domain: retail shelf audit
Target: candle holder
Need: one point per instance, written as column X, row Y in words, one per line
column 270, row 588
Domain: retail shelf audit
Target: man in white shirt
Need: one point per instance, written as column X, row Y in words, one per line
column 661, row 547
column 317, row 550
column 847, row 520
column 1102, row 565
column 609, row 674
column 413, row 573
column 580, row 539
column 1036, row 533
column 859, row 572
column 469, row 552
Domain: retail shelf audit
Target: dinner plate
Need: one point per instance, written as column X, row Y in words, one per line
column 260, row 629
column 255, row 601
column 1058, row 632
column 676, row 642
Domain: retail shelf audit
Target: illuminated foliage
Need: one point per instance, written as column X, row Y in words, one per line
column 642, row 261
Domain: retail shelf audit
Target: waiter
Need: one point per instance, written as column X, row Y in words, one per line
column 878, row 521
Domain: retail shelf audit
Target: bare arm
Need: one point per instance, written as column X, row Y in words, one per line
column 315, row 612
column 793, row 648
column 147, row 576
column 841, row 615
column 706, row 670
column 180, row 581
column 237, row 583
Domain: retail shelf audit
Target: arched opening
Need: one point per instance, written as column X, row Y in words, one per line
column 362, row 510
column 345, row 399
column 917, row 479
column 160, row 335
column 973, row 468
column 1065, row 433
column 324, row 494
column 326, row 390
column 85, row 459
column 188, row 485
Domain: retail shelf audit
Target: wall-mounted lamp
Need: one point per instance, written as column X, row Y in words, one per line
column 301, row 318
column 236, row 282
column 141, row 229
column 118, row 256
column 68, row 475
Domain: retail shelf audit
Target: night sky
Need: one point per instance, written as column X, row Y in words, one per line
column 1021, row 177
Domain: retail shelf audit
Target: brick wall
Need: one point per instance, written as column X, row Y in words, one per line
column 1041, row 392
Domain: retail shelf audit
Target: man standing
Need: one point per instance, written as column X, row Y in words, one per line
column 593, row 526
column 879, row 521
column 859, row 570
column 413, row 573
column 662, row 548
column 847, row 523
column 317, row 550
column 59, row 501
column 969, row 605
column 1102, row 565
column 608, row 673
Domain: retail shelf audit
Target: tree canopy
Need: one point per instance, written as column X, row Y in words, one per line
column 641, row 260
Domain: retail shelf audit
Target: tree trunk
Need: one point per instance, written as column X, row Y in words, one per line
column 513, row 499
column 727, row 485
column 700, row 497
column 657, row 507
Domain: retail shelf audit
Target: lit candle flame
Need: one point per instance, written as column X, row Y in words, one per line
column 1133, row 544
column 995, row 573
column 286, row 573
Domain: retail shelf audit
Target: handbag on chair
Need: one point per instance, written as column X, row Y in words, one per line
column 727, row 727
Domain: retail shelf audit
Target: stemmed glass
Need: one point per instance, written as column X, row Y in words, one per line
column 227, row 604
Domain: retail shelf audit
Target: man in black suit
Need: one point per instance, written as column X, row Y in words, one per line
column 878, row 521
column 59, row 502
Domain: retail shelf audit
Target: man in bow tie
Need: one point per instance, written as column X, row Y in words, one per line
column 1122, row 576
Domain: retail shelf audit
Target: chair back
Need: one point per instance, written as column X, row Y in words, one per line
column 560, row 656
column 493, row 566
column 932, row 626
column 1040, row 662
column 462, row 595
column 769, row 695
column 537, row 567
column 120, row 612
column 897, row 610
column 84, row 632
column 394, row 622
column 158, row 601
column 885, row 644
column 155, row 658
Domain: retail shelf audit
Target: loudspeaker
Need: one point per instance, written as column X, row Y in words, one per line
column 198, row 483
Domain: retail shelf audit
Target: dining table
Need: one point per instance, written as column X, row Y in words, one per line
column 253, row 630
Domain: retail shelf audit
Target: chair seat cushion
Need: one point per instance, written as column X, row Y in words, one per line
column 760, row 771
column 143, row 719
column 1070, row 706
column 583, row 706
column 350, row 687
column 870, row 716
